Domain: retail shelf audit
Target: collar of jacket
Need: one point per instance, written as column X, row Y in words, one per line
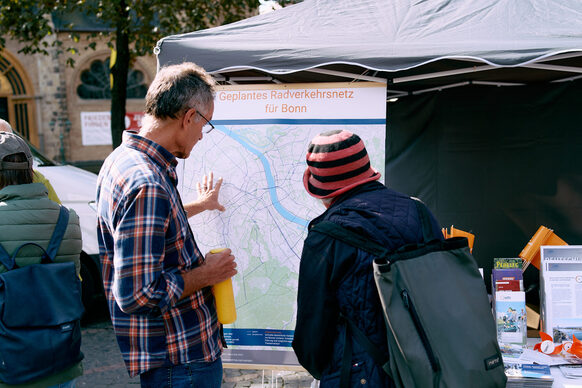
column 368, row 186
column 26, row 191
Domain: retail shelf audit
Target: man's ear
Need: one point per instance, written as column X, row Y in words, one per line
column 188, row 116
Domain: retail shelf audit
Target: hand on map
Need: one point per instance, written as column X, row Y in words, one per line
column 220, row 266
column 207, row 196
column 208, row 193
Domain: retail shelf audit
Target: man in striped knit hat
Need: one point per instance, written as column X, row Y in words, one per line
column 336, row 278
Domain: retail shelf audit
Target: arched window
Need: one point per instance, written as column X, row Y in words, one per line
column 17, row 98
column 95, row 84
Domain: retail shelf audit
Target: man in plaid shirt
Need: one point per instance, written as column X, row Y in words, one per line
column 157, row 282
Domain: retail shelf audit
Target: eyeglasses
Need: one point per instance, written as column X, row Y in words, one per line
column 208, row 127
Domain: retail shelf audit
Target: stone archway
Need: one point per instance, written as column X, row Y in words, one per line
column 17, row 103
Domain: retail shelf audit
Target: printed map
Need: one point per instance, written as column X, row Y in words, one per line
column 267, row 212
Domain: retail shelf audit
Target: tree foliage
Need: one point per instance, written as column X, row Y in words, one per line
column 132, row 27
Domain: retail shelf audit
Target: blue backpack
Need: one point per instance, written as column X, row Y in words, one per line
column 40, row 312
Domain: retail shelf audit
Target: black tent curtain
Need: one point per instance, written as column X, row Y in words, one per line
column 496, row 162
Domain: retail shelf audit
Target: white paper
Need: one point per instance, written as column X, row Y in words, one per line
column 571, row 371
column 533, row 356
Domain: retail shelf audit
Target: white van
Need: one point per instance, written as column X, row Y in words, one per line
column 76, row 189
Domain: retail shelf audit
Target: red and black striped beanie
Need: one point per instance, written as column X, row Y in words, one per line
column 337, row 161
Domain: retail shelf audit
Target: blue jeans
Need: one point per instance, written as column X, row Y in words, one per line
column 194, row 374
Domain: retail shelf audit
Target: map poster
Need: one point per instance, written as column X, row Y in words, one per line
column 258, row 148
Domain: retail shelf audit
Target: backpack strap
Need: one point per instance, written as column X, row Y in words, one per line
column 378, row 356
column 349, row 237
column 57, row 237
column 362, row 242
column 346, row 366
column 424, row 216
column 48, row 255
column 5, row 258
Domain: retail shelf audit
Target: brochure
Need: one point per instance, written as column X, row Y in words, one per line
column 511, row 317
column 507, row 262
column 500, row 278
column 528, row 375
column 508, row 285
column 561, row 291
column 507, row 274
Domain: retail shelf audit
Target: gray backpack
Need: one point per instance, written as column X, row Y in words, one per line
column 440, row 329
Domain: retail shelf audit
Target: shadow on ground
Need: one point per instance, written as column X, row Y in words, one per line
column 104, row 366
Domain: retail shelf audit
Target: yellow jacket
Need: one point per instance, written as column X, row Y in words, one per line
column 39, row 178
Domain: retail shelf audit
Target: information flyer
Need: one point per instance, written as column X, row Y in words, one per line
column 561, row 286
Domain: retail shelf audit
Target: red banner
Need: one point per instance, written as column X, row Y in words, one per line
column 133, row 120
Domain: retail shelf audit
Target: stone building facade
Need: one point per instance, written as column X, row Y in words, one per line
column 44, row 101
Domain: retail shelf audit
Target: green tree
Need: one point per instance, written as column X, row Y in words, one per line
column 131, row 27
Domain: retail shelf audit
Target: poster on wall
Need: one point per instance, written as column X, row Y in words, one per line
column 258, row 148
column 96, row 126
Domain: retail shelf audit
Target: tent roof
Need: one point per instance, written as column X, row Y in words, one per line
column 412, row 45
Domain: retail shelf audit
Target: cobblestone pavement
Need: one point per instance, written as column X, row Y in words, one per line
column 104, row 366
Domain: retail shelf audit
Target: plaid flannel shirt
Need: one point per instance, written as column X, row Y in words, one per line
column 145, row 242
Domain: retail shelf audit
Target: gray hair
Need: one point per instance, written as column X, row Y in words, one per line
column 177, row 88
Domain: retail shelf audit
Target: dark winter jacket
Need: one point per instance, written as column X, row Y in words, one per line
column 335, row 277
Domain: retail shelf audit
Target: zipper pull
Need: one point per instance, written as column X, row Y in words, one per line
column 405, row 299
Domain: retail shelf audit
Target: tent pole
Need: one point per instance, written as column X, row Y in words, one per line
column 348, row 75
column 542, row 66
column 443, row 73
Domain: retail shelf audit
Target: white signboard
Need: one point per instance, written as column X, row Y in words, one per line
column 258, row 147
column 561, row 299
column 96, row 126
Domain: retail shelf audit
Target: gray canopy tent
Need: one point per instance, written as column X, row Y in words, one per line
column 484, row 118
column 412, row 45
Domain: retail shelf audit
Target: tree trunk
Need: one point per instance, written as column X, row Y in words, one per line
column 119, row 72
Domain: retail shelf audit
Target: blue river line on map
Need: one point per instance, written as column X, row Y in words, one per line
column 221, row 126
column 270, row 180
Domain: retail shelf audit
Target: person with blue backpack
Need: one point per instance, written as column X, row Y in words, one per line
column 37, row 177
column 29, row 217
column 336, row 281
